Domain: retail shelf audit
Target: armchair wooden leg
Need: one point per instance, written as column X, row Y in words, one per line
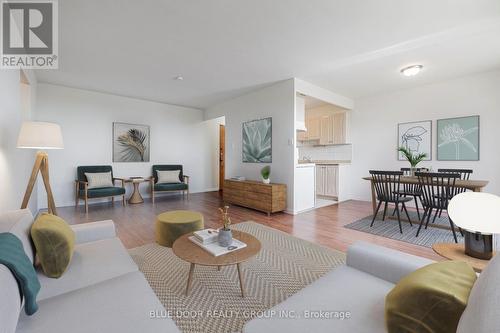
column 76, row 194
column 86, row 205
column 124, row 201
column 113, row 201
column 153, row 196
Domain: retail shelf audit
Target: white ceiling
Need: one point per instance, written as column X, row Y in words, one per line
column 224, row 48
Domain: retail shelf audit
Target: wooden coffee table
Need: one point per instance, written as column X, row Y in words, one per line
column 195, row 255
column 453, row 251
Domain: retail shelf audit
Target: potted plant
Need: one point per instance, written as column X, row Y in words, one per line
column 225, row 237
column 265, row 172
column 414, row 159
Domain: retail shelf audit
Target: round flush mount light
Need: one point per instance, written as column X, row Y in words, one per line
column 411, row 70
column 179, row 78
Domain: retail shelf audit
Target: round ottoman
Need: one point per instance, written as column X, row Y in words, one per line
column 172, row 225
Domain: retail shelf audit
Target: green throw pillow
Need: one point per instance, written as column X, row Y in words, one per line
column 54, row 242
column 431, row 299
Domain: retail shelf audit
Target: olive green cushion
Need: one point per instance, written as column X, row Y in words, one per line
column 172, row 225
column 171, row 187
column 103, row 192
column 431, row 299
column 54, row 243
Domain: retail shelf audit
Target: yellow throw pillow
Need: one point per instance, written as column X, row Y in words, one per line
column 431, row 299
column 54, row 242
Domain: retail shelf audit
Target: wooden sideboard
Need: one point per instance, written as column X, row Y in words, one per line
column 268, row 198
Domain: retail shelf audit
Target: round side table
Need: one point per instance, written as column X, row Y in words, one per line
column 136, row 197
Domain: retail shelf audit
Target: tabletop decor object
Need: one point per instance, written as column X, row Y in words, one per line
column 265, row 172
column 42, row 136
column 477, row 214
column 225, row 236
column 413, row 158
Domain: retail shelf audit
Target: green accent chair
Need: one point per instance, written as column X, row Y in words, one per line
column 82, row 192
column 172, row 225
column 183, row 186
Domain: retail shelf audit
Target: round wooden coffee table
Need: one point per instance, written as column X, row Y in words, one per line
column 453, row 251
column 195, row 255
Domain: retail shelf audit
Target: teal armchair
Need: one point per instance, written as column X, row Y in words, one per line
column 82, row 192
column 182, row 186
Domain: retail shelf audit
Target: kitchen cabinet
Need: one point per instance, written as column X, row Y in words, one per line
column 325, row 130
column 327, row 178
column 313, row 130
column 333, row 129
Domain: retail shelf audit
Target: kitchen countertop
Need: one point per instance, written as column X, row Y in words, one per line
column 325, row 162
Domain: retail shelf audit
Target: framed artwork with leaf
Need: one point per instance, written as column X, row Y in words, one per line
column 458, row 139
column 257, row 141
column 130, row 143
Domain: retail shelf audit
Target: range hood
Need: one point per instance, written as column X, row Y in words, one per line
column 300, row 114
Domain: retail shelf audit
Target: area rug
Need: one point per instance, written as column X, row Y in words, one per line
column 284, row 266
column 437, row 232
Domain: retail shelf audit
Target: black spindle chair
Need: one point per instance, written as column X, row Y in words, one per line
column 436, row 190
column 388, row 185
column 464, row 175
column 412, row 190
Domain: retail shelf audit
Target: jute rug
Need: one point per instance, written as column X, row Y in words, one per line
column 438, row 232
column 284, row 266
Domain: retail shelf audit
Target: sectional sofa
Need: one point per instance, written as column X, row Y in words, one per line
column 102, row 290
column 360, row 287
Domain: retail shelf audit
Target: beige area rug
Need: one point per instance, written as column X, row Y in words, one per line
column 285, row 265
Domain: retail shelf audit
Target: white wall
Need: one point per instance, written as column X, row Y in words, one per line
column 276, row 101
column 375, row 119
column 15, row 164
column 179, row 135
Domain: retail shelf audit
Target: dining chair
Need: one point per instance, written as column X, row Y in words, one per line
column 436, row 190
column 411, row 190
column 464, row 175
column 388, row 186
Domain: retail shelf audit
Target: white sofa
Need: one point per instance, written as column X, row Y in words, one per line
column 102, row 290
column 360, row 287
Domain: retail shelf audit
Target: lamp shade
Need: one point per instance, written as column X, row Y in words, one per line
column 40, row 135
column 476, row 212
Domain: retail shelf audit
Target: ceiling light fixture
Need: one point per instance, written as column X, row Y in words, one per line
column 179, row 78
column 411, row 70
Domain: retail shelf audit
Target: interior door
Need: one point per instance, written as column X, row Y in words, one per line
column 222, row 156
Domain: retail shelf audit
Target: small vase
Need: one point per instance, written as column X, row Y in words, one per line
column 266, row 181
column 412, row 171
column 225, row 237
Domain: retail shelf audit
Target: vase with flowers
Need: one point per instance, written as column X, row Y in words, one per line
column 225, row 237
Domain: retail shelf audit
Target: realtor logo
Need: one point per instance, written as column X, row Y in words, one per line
column 29, row 34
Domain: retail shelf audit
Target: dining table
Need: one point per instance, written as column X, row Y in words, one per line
column 469, row 184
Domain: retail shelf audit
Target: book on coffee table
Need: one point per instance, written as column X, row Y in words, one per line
column 215, row 249
column 206, row 236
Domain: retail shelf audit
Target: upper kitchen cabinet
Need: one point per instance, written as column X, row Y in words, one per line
column 320, row 123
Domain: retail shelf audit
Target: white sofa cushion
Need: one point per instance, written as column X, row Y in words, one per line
column 18, row 222
column 482, row 311
column 342, row 289
column 10, row 301
column 119, row 305
column 92, row 263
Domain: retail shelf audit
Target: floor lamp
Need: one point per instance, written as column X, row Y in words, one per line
column 41, row 136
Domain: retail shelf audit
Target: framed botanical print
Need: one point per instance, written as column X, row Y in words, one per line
column 416, row 137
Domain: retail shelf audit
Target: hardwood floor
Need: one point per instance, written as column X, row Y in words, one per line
column 135, row 223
